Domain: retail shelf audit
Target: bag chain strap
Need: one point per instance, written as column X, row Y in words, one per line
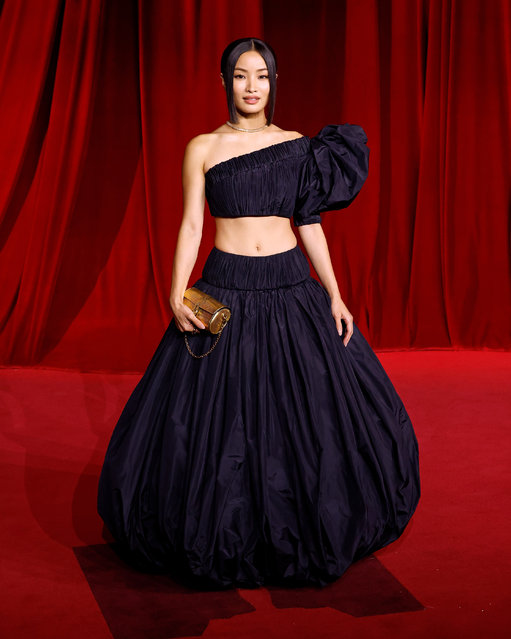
column 224, row 322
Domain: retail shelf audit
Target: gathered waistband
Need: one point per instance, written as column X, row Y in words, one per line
column 257, row 272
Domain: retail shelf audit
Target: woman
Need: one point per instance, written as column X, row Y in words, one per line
column 286, row 453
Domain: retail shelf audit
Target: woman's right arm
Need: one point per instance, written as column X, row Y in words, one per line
column 190, row 233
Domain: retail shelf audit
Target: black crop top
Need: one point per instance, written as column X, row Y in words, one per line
column 298, row 178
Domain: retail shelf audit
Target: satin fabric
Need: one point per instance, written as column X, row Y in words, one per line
column 281, row 457
column 298, row 178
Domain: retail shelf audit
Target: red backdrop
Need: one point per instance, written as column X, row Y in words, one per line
column 98, row 99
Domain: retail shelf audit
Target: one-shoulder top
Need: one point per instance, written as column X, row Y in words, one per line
column 299, row 178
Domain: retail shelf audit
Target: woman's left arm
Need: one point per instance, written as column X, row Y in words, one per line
column 315, row 244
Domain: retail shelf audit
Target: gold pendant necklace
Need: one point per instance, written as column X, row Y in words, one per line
column 238, row 128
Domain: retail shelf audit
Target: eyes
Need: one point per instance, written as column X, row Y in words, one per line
column 241, row 76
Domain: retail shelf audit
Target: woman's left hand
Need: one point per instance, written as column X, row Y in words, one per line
column 340, row 312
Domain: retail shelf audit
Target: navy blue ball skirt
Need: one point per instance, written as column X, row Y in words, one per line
column 281, row 457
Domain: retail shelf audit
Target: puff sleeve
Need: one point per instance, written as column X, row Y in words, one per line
column 332, row 173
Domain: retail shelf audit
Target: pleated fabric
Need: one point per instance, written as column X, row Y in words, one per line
column 281, row 457
column 299, row 178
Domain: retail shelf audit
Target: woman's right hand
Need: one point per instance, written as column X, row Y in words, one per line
column 184, row 317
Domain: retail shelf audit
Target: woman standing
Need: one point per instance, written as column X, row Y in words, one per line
column 286, row 453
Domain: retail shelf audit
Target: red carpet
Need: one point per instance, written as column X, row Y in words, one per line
column 448, row 576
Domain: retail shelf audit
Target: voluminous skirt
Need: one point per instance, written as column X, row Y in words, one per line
column 281, row 457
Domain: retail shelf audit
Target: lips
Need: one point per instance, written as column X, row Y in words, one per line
column 251, row 100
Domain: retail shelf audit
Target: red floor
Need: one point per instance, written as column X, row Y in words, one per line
column 448, row 576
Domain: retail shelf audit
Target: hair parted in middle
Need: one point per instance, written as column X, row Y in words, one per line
column 228, row 63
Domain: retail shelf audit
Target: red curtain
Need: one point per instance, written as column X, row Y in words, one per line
column 98, row 99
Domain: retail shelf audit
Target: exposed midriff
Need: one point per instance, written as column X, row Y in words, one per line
column 254, row 235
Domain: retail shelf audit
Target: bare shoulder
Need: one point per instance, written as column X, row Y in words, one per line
column 293, row 135
column 197, row 150
column 198, row 145
column 285, row 134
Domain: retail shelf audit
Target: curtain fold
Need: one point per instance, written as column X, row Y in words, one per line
column 98, row 99
column 48, row 207
column 27, row 69
column 423, row 254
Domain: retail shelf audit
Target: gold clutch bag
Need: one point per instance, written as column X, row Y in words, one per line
column 212, row 313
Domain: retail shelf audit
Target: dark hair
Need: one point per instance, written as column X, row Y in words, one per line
column 228, row 62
